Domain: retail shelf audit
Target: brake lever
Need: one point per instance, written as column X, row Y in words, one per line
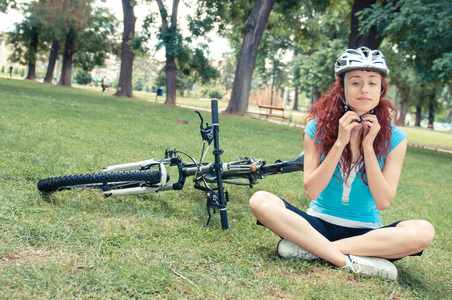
column 202, row 120
column 207, row 132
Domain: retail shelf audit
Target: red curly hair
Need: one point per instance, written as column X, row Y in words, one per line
column 330, row 108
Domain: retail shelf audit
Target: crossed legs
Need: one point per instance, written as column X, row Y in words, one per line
column 407, row 238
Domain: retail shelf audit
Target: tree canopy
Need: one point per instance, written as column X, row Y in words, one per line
column 421, row 28
column 286, row 44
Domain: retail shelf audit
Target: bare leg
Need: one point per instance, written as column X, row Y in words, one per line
column 271, row 211
column 407, row 238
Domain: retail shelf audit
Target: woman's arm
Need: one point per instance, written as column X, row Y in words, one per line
column 382, row 183
column 316, row 175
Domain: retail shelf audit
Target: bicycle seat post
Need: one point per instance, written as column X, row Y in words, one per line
column 218, row 164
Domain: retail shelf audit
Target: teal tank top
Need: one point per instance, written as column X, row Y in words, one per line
column 350, row 199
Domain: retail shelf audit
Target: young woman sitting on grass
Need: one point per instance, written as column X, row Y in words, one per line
column 353, row 160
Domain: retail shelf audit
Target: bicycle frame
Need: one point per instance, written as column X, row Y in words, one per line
column 216, row 200
column 139, row 177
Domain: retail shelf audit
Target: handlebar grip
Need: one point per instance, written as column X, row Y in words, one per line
column 214, row 105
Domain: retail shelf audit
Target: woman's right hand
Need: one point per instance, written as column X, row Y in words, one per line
column 347, row 123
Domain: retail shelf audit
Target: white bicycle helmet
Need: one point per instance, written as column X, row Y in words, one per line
column 361, row 58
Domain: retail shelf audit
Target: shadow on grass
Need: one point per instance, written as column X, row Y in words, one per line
column 47, row 197
column 412, row 278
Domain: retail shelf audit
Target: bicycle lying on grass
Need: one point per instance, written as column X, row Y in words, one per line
column 151, row 176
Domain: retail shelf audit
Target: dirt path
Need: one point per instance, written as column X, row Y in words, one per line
column 431, row 147
column 255, row 115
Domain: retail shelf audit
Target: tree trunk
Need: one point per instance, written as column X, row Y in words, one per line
column 170, row 68
column 295, row 100
column 254, row 28
column 52, row 61
column 418, row 120
column 125, row 75
column 371, row 39
column 431, row 109
column 315, row 94
column 171, row 71
column 32, row 51
column 66, row 70
column 403, row 107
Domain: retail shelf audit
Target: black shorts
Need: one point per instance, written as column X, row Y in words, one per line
column 330, row 231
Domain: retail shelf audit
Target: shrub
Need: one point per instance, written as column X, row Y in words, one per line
column 215, row 94
column 83, row 78
column 139, row 84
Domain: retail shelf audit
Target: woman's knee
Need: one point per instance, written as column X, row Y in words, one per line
column 427, row 230
column 258, row 199
column 263, row 200
column 422, row 232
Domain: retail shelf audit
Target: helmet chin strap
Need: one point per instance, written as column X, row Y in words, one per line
column 346, row 107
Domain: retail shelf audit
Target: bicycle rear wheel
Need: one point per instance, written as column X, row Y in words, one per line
column 104, row 181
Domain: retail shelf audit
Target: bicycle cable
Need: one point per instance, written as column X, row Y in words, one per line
column 204, row 153
column 198, row 166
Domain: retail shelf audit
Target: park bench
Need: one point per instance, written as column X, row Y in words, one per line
column 267, row 111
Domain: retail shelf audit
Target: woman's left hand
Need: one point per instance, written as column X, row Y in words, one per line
column 371, row 128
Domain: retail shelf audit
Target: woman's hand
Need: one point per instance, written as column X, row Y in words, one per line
column 347, row 123
column 371, row 129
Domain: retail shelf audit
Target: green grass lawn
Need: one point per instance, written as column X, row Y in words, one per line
column 79, row 244
column 428, row 136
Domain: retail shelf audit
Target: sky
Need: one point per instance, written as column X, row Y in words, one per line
column 7, row 20
column 217, row 47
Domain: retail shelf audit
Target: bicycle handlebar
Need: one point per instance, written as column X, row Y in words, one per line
column 214, row 105
column 297, row 163
column 211, row 199
column 138, row 178
column 231, row 168
column 244, row 168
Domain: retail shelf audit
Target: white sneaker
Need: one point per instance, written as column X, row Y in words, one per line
column 371, row 267
column 287, row 249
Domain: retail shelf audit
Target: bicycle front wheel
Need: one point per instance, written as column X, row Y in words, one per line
column 104, row 181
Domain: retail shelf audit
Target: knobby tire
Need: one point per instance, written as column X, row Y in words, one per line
column 79, row 180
